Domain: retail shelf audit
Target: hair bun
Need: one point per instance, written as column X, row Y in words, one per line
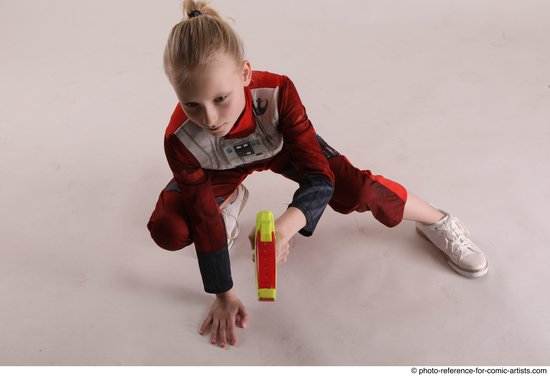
column 194, row 13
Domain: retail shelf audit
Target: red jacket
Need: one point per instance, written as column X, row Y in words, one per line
column 201, row 180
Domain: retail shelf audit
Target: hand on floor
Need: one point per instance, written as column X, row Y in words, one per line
column 225, row 314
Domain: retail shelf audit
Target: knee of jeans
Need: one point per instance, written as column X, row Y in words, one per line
column 169, row 236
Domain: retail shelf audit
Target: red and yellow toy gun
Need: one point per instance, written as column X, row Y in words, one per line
column 265, row 256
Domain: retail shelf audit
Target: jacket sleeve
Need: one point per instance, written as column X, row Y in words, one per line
column 316, row 180
column 202, row 215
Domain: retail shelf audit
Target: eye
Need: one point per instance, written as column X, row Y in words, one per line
column 221, row 99
column 191, row 105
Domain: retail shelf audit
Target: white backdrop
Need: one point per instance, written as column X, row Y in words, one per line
column 451, row 98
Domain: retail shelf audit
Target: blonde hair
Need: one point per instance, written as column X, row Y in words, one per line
column 196, row 40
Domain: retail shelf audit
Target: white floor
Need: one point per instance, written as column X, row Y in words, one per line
column 449, row 97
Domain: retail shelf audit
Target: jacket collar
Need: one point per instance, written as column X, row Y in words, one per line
column 245, row 123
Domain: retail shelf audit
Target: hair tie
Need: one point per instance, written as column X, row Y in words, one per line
column 194, row 13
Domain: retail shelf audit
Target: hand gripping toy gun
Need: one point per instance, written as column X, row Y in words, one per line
column 265, row 256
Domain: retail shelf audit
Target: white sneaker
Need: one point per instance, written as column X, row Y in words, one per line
column 231, row 213
column 452, row 238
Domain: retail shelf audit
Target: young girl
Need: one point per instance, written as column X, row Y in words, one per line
column 231, row 121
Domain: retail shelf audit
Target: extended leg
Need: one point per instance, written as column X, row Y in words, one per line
column 420, row 211
column 389, row 202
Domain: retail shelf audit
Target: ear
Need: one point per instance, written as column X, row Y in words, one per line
column 247, row 73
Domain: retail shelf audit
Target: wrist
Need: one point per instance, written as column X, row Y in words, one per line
column 282, row 236
column 226, row 295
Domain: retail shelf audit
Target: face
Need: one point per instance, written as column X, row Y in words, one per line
column 214, row 98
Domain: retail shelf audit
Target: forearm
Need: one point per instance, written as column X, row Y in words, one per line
column 289, row 223
column 311, row 198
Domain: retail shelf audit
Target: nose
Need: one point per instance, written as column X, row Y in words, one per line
column 210, row 117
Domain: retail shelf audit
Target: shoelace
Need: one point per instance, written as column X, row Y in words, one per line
column 235, row 233
column 458, row 236
column 228, row 215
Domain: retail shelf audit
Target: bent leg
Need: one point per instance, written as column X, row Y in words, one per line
column 167, row 224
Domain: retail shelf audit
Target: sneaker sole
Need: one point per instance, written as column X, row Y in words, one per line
column 457, row 268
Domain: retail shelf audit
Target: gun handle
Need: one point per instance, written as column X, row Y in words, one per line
column 266, row 257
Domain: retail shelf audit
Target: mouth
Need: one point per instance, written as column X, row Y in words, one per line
column 216, row 128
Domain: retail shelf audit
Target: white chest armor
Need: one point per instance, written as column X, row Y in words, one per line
column 218, row 153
